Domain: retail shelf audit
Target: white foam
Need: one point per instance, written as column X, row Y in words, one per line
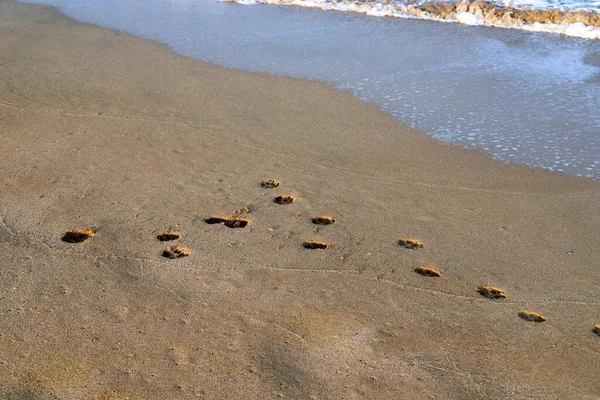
column 465, row 15
column 562, row 5
column 468, row 19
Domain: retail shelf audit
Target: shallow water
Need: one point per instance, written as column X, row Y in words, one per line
column 528, row 98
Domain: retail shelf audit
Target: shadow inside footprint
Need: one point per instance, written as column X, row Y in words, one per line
column 165, row 237
column 315, row 245
column 531, row 316
column 78, row 235
column 596, row 329
column 428, row 271
column 269, row 184
column 410, row 243
column 230, row 222
column 323, row 220
column 216, row 220
column 491, row 292
column 236, row 222
column 176, row 252
column 284, row 199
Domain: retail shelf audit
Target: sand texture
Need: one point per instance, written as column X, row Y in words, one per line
column 121, row 137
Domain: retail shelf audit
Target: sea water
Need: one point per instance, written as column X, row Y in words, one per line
column 520, row 96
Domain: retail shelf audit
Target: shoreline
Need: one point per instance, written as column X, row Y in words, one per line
column 118, row 134
column 473, row 117
column 377, row 109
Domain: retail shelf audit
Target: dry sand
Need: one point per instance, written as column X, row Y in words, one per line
column 118, row 134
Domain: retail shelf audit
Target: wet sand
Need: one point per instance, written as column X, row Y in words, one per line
column 119, row 135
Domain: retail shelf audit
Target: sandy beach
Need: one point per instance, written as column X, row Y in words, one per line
column 119, row 135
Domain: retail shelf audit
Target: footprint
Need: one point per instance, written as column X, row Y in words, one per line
column 531, row 316
column 323, row 220
column 176, row 252
column 596, row 329
column 428, row 271
column 410, row 243
column 269, row 184
column 491, row 292
column 164, row 237
column 315, row 245
column 230, row 222
column 78, row 235
column 284, row 199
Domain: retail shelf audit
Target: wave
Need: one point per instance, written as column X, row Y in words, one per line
column 580, row 22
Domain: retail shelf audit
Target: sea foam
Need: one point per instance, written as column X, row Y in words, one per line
column 538, row 16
